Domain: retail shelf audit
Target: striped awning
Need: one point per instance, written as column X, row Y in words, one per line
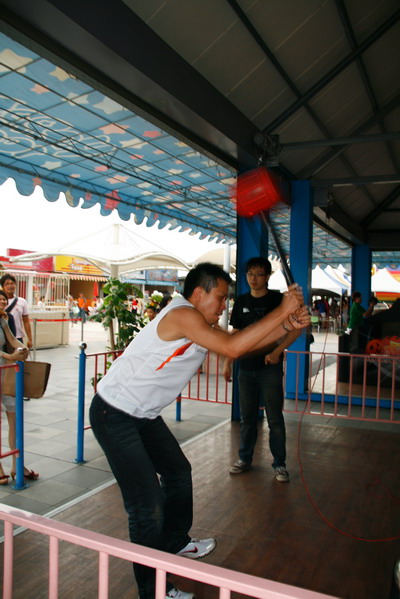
column 62, row 134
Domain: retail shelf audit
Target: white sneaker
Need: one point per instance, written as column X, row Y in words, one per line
column 239, row 467
column 197, row 548
column 177, row 594
column 281, row 474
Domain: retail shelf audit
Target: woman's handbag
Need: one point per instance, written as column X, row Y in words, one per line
column 36, row 376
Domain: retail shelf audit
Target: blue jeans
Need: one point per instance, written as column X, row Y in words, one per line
column 263, row 386
column 159, row 511
column 82, row 314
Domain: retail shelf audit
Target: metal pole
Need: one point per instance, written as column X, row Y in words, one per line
column 227, row 269
column 19, row 417
column 178, row 407
column 81, row 404
column 34, row 338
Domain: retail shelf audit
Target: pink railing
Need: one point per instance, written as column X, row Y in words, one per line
column 352, row 386
column 370, row 391
column 101, row 362
column 207, row 385
column 226, row 580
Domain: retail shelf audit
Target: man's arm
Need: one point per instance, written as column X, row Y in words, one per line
column 188, row 322
column 28, row 331
column 273, row 357
column 227, row 366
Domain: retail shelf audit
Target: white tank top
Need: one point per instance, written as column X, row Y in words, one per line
column 151, row 372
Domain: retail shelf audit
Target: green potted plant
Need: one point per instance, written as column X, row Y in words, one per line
column 115, row 314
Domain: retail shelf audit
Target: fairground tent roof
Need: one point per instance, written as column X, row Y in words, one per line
column 150, row 109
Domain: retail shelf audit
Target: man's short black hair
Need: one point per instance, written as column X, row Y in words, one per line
column 7, row 277
column 260, row 262
column 204, row 275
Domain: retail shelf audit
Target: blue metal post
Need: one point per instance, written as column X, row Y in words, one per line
column 252, row 241
column 19, row 416
column 178, row 410
column 301, row 229
column 361, row 263
column 81, row 404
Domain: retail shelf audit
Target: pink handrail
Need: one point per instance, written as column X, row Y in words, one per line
column 226, row 580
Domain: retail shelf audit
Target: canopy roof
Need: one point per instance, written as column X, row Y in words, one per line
column 93, row 92
column 114, row 250
column 382, row 280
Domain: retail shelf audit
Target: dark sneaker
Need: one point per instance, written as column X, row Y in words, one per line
column 197, row 548
column 281, row 474
column 177, row 594
column 239, row 467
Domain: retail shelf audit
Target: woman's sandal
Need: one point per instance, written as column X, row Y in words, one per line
column 31, row 475
column 4, row 479
column 28, row 474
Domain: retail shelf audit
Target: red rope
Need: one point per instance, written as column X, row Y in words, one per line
column 376, row 482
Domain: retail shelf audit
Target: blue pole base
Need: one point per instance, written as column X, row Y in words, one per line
column 19, row 487
column 77, row 461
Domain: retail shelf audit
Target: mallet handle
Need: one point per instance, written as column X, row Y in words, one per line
column 286, row 270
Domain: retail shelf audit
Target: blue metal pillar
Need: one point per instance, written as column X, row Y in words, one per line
column 301, row 228
column 81, row 405
column 252, row 240
column 361, row 263
column 19, row 433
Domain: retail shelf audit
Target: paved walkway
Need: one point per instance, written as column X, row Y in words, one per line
column 51, row 431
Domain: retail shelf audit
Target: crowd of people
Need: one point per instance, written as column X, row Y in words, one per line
column 347, row 315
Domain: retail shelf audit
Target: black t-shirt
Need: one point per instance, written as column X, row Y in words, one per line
column 247, row 310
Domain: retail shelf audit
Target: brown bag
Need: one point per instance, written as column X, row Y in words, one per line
column 36, row 376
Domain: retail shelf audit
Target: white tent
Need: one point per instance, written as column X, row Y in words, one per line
column 321, row 281
column 383, row 281
column 337, row 275
column 277, row 281
column 115, row 250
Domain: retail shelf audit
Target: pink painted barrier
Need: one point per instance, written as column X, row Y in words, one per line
column 353, row 386
column 226, row 580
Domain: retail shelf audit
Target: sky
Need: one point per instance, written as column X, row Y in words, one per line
column 32, row 223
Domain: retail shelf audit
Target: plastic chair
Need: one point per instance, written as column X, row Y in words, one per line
column 315, row 323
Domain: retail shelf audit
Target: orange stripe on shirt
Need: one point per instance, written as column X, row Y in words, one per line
column 178, row 352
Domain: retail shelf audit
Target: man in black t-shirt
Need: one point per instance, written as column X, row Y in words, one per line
column 260, row 374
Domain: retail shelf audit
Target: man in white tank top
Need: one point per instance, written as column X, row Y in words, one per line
column 153, row 474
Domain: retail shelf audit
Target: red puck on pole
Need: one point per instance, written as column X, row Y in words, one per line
column 256, row 191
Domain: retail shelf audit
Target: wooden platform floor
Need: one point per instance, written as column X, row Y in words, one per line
column 263, row 527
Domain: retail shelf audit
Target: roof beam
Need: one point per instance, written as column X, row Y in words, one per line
column 373, row 215
column 338, row 223
column 384, row 240
column 344, row 181
column 364, row 75
column 274, row 61
column 321, row 163
column 334, row 72
column 270, row 55
column 339, row 141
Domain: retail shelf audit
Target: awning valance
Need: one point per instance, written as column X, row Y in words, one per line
column 58, row 132
column 96, row 278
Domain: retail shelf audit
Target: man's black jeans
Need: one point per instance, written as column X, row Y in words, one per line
column 160, row 510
